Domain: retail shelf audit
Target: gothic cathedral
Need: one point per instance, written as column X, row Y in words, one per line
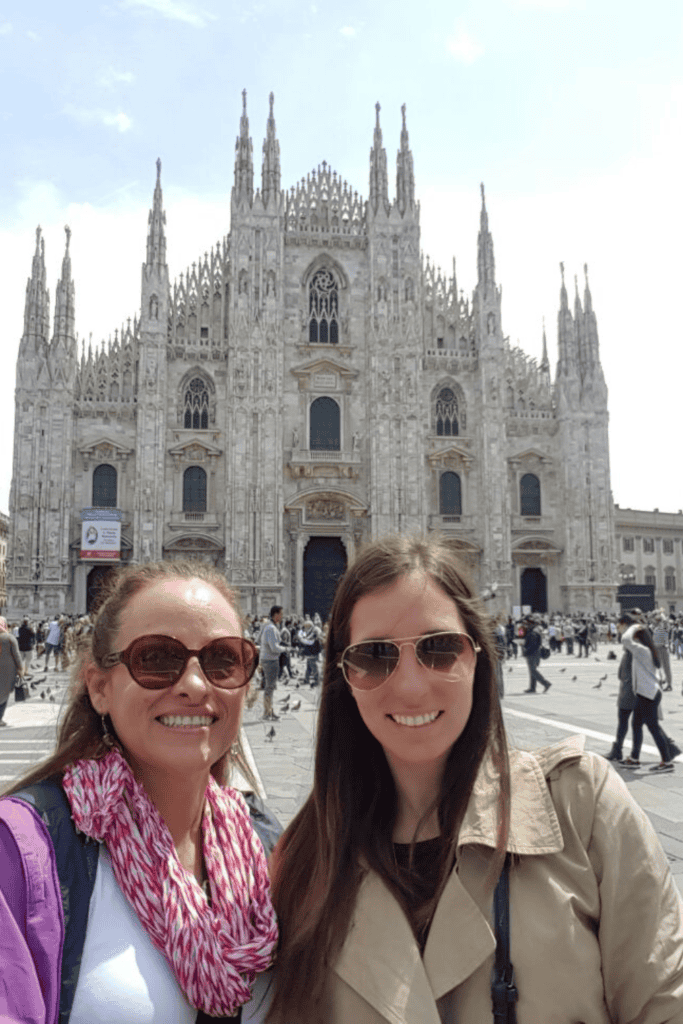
column 309, row 384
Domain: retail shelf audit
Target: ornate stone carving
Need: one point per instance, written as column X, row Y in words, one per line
column 324, row 509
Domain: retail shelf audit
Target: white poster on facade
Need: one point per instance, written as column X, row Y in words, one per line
column 101, row 539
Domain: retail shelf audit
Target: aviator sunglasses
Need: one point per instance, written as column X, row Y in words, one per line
column 155, row 662
column 370, row 663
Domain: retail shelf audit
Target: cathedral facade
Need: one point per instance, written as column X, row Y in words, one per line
column 309, row 384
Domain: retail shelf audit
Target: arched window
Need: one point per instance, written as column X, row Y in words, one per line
column 450, row 500
column 447, row 413
column 325, row 425
column 323, row 309
column 104, row 487
column 194, row 490
column 529, row 495
column 196, row 405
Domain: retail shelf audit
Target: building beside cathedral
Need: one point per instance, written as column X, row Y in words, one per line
column 309, row 384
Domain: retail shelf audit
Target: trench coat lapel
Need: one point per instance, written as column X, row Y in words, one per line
column 381, row 960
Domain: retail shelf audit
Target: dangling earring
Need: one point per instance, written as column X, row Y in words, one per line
column 107, row 737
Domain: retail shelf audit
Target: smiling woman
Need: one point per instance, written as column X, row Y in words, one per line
column 169, row 912
column 384, row 882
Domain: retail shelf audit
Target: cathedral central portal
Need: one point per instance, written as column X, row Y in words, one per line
column 324, row 563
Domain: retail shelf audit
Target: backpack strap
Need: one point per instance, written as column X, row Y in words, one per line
column 76, row 858
column 504, row 992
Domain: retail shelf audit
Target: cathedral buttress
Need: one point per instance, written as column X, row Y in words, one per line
column 582, row 416
column 41, row 498
column 149, row 491
column 254, row 508
column 494, row 497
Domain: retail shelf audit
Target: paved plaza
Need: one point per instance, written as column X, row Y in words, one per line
column 580, row 700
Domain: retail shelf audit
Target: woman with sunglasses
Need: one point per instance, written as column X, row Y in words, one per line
column 132, row 885
column 384, row 881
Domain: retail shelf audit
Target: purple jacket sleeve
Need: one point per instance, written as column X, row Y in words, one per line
column 31, row 918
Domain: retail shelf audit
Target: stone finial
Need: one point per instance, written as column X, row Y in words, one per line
column 244, row 102
column 562, row 271
column 403, row 115
column 158, row 170
column 271, row 101
column 67, row 229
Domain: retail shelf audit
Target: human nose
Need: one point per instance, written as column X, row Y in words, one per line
column 193, row 682
column 409, row 674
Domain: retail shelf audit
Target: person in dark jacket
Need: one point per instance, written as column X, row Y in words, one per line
column 26, row 638
column 167, row 915
column 533, row 640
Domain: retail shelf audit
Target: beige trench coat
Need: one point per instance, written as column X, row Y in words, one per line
column 596, row 919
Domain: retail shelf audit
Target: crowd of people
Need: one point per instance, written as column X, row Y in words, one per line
column 434, row 873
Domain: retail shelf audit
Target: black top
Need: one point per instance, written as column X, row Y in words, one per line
column 424, row 877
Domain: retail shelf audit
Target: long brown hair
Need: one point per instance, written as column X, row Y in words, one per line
column 80, row 733
column 348, row 819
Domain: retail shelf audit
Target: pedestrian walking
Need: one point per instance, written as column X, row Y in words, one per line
column 647, row 683
column 52, row 643
column 533, row 642
column 311, row 646
column 270, row 650
column 26, row 639
column 11, row 666
column 660, row 638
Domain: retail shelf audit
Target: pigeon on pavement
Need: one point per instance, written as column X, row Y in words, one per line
column 270, row 734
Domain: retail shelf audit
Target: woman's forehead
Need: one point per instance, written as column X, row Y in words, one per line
column 413, row 602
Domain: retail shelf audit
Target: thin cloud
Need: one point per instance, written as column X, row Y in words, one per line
column 112, row 77
column 5, row 28
column 464, row 47
column 33, row 36
column 175, row 10
column 348, row 31
column 117, row 120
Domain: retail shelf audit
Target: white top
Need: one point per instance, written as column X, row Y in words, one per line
column 644, row 673
column 123, row 977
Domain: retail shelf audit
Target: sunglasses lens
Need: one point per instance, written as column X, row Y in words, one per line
column 227, row 662
column 369, row 664
column 441, row 651
column 156, row 662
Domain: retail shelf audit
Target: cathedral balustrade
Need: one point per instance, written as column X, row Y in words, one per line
column 452, row 524
column 444, row 359
column 202, row 520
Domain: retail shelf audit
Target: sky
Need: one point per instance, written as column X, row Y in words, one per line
column 569, row 111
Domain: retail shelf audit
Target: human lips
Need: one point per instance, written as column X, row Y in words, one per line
column 416, row 720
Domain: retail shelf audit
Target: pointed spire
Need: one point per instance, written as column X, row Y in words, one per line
column 156, row 235
column 244, row 159
column 485, row 261
column 379, row 183
column 564, row 303
column 577, row 301
column 65, row 311
column 37, row 307
column 405, row 178
column 270, row 171
column 567, row 347
column 587, row 299
column 545, row 364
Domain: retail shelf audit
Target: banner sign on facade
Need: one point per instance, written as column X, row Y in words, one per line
column 100, row 539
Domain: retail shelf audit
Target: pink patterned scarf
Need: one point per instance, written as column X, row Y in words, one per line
column 214, row 951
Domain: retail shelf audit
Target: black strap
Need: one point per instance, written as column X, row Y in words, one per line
column 503, row 989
